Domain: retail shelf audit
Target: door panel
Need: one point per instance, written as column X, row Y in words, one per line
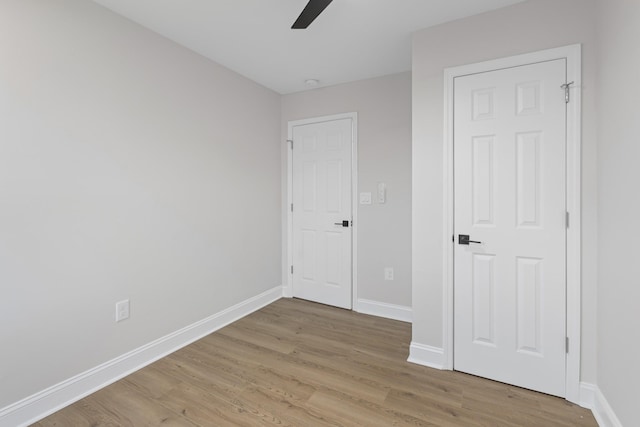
column 483, row 182
column 529, row 310
column 483, row 289
column 509, row 171
column 322, row 199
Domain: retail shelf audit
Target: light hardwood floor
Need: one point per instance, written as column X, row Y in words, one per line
column 303, row 364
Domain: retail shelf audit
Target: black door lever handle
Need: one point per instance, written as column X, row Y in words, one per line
column 463, row 239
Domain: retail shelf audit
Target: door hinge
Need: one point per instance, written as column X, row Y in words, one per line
column 292, row 269
column 566, row 219
column 290, row 141
column 566, row 344
column 567, row 91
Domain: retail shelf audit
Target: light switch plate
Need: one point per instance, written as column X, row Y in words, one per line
column 365, row 198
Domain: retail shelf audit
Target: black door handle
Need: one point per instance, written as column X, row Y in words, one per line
column 463, row 239
column 344, row 223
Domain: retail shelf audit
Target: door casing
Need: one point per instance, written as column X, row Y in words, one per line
column 288, row 286
column 572, row 54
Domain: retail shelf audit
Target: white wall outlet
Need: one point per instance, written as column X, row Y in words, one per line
column 122, row 310
column 388, row 273
column 365, row 198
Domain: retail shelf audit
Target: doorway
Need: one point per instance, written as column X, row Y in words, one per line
column 512, row 220
column 321, row 218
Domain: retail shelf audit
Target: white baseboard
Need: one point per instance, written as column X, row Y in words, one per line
column 382, row 309
column 52, row 399
column 426, row 355
column 287, row 291
column 587, row 395
column 591, row 397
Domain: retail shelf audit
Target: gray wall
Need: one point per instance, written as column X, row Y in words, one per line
column 384, row 154
column 523, row 28
column 129, row 168
column 619, row 206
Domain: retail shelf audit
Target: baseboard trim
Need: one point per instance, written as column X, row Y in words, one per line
column 587, row 395
column 426, row 355
column 382, row 309
column 591, row 397
column 52, row 399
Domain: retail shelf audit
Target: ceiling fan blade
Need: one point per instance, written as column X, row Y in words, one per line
column 310, row 13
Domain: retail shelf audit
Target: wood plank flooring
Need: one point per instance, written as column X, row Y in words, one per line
column 296, row 363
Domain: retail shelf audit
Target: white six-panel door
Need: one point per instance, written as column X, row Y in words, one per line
column 509, row 172
column 321, row 181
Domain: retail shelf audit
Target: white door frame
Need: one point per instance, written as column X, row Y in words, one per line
column 572, row 54
column 288, row 261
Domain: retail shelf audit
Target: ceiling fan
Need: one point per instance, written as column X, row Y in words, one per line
column 310, row 13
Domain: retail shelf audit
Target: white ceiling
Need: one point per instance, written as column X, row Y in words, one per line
column 351, row 40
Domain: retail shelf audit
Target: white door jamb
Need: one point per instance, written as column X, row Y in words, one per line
column 572, row 54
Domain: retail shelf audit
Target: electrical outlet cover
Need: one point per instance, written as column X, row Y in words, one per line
column 122, row 310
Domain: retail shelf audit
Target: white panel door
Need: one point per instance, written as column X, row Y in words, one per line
column 321, row 204
column 509, row 161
